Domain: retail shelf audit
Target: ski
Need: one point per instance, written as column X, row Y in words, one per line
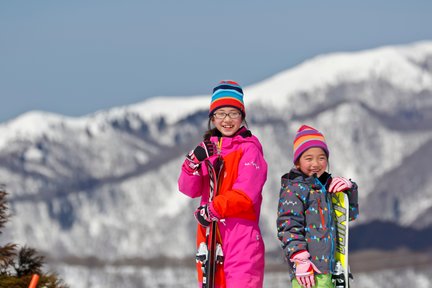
column 341, row 212
column 210, row 253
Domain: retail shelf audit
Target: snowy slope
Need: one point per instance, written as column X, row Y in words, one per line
column 105, row 185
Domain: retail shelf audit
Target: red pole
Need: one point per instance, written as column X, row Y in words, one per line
column 34, row 281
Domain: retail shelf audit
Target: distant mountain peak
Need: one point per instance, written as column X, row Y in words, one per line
column 408, row 67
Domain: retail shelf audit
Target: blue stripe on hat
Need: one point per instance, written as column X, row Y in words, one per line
column 227, row 93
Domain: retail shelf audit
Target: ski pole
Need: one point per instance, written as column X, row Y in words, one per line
column 34, row 281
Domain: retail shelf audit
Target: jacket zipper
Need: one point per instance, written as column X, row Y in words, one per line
column 330, row 221
column 321, row 214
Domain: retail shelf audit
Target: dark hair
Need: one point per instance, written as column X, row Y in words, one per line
column 214, row 131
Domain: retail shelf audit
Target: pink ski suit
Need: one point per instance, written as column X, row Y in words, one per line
column 238, row 203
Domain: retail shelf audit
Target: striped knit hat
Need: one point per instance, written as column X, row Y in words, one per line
column 227, row 94
column 308, row 137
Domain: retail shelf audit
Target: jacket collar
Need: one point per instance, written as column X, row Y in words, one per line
column 298, row 176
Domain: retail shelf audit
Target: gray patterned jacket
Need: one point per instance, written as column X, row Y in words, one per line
column 305, row 218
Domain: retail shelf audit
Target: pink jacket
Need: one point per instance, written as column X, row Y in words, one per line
column 238, row 203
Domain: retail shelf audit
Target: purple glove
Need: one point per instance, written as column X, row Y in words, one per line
column 203, row 151
column 205, row 215
column 304, row 269
column 339, row 184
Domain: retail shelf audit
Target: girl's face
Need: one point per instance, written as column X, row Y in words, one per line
column 313, row 161
column 227, row 120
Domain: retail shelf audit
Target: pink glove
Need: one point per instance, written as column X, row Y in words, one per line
column 339, row 184
column 304, row 269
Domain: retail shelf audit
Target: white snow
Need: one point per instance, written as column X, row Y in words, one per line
column 391, row 63
column 171, row 108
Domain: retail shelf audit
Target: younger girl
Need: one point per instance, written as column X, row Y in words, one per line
column 236, row 207
column 305, row 223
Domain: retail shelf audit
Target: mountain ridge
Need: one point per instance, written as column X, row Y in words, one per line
column 404, row 58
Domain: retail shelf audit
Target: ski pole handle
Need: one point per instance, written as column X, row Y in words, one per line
column 34, row 281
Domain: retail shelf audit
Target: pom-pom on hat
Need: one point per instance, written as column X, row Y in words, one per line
column 227, row 94
column 308, row 137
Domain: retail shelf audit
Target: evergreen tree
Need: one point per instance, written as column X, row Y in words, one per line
column 17, row 266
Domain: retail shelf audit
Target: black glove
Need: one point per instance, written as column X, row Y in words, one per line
column 204, row 150
column 200, row 153
column 204, row 216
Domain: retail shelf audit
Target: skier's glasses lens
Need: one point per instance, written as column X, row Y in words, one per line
column 222, row 115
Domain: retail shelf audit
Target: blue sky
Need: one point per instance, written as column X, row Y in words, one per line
column 77, row 57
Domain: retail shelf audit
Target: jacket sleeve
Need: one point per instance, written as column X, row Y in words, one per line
column 245, row 195
column 290, row 220
column 353, row 202
column 192, row 183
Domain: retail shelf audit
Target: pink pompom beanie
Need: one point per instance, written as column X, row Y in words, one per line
column 308, row 137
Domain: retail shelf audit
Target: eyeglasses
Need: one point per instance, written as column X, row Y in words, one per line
column 222, row 115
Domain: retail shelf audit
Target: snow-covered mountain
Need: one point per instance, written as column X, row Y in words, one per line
column 105, row 185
